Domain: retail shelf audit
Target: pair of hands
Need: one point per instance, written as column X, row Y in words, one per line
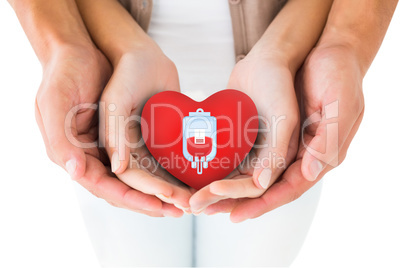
column 329, row 94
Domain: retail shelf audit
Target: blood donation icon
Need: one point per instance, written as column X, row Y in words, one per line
column 199, row 142
column 199, row 139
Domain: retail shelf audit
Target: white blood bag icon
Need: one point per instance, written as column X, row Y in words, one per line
column 199, row 139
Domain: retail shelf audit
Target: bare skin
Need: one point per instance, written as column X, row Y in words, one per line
column 277, row 56
column 332, row 73
column 312, row 76
column 75, row 72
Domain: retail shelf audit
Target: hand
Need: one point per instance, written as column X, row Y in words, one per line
column 139, row 74
column 74, row 76
column 332, row 107
column 269, row 82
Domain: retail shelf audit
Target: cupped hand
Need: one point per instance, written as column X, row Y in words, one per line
column 139, row 74
column 332, row 108
column 269, row 83
column 66, row 113
column 73, row 79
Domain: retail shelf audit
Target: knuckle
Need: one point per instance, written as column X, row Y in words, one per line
column 50, row 155
column 293, row 118
column 54, row 150
column 113, row 203
column 94, row 192
column 342, row 158
column 294, row 196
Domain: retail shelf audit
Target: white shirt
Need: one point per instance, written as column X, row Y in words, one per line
column 197, row 36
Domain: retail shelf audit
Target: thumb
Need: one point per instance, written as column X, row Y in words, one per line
column 278, row 148
column 55, row 129
column 323, row 149
column 115, row 132
column 320, row 152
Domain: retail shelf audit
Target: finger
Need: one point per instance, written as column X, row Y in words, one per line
column 291, row 186
column 169, row 210
column 144, row 181
column 116, row 112
column 331, row 134
column 202, row 199
column 51, row 116
column 156, row 183
column 181, row 193
column 238, row 187
column 223, row 206
column 279, row 148
column 39, row 122
column 97, row 181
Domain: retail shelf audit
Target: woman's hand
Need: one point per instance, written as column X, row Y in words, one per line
column 139, row 74
column 267, row 76
column 140, row 70
column 269, row 83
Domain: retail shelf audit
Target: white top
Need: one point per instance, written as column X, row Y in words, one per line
column 197, row 36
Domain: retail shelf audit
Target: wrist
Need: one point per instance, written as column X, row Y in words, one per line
column 361, row 30
column 132, row 51
column 51, row 26
column 347, row 43
column 275, row 55
column 338, row 57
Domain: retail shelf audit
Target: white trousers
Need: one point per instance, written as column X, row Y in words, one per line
column 122, row 238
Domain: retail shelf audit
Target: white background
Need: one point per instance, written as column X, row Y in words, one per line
column 358, row 222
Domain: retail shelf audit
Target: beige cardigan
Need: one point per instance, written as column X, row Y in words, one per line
column 250, row 19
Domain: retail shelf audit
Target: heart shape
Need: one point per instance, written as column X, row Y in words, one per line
column 199, row 142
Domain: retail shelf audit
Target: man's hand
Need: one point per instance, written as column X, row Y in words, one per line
column 332, row 105
column 74, row 78
column 330, row 84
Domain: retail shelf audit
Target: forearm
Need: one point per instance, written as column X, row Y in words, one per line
column 360, row 26
column 294, row 32
column 112, row 28
column 51, row 24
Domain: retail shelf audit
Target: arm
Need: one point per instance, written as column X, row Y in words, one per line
column 293, row 33
column 359, row 26
column 113, row 29
column 50, row 25
column 331, row 84
column 267, row 75
column 140, row 71
column 74, row 74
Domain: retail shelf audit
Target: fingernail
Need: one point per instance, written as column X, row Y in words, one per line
column 239, row 220
column 213, row 190
column 164, row 198
column 211, row 213
column 71, row 166
column 170, row 214
column 115, row 161
column 181, row 207
column 198, row 212
column 265, row 178
column 315, row 169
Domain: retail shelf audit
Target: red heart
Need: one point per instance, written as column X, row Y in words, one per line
column 221, row 129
